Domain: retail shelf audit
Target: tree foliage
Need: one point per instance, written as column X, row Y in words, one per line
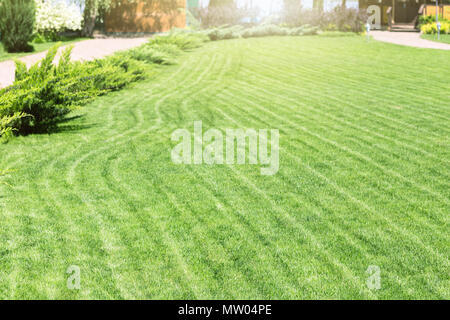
column 92, row 9
column 291, row 11
column 220, row 3
column 55, row 17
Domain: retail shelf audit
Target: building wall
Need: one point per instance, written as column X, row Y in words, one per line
column 376, row 11
column 146, row 16
column 444, row 10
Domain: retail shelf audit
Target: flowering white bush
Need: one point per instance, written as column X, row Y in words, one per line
column 55, row 16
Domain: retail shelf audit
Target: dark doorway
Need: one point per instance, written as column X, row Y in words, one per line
column 406, row 10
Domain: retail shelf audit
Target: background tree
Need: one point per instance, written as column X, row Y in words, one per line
column 220, row 3
column 93, row 8
column 223, row 12
column 17, row 19
column 318, row 5
column 292, row 12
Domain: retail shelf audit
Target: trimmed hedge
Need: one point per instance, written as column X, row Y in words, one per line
column 224, row 33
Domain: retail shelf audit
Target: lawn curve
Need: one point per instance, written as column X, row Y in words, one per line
column 363, row 181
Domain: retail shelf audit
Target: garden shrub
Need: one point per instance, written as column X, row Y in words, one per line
column 17, row 19
column 430, row 19
column 183, row 40
column 224, row 33
column 44, row 94
column 337, row 34
column 159, row 54
column 426, row 20
column 265, row 30
column 170, row 49
column 344, row 19
column 55, row 17
column 224, row 14
column 113, row 73
column 338, row 19
column 163, row 49
column 431, row 28
column 47, row 92
column 8, row 125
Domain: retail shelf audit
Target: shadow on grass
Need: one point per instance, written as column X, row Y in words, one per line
column 60, row 126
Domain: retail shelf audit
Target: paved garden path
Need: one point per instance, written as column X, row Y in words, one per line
column 411, row 39
column 83, row 50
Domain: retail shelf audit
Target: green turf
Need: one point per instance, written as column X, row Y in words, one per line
column 445, row 38
column 363, row 180
column 38, row 47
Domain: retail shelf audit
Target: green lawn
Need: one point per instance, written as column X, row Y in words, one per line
column 363, row 180
column 445, row 38
column 38, row 47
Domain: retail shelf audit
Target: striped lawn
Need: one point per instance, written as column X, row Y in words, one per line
column 363, row 180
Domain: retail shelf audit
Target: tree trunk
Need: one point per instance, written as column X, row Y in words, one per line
column 318, row 5
column 344, row 4
column 89, row 15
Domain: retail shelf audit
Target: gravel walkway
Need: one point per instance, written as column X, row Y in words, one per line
column 83, row 50
column 411, row 39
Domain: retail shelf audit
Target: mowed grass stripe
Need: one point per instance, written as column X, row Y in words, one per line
column 358, row 89
column 351, row 66
column 387, row 225
column 365, row 206
column 305, row 105
column 435, row 224
column 294, row 197
column 444, row 216
column 228, row 232
column 93, row 148
column 247, row 102
column 204, row 73
column 376, row 98
column 441, row 176
column 157, row 105
column 81, row 200
column 353, row 153
column 293, row 90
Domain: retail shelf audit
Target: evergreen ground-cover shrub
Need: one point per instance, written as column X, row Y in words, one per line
column 17, row 19
column 159, row 54
column 47, row 92
column 8, row 125
column 44, row 94
column 182, row 40
column 265, row 30
column 225, row 33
